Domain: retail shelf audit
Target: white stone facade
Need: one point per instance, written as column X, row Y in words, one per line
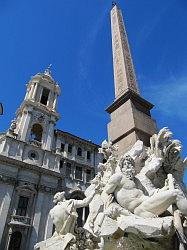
column 36, row 161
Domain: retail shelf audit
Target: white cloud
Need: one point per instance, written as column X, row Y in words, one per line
column 169, row 96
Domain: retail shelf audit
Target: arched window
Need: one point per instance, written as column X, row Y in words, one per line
column 44, row 96
column 36, row 132
column 15, row 241
column 79, row 151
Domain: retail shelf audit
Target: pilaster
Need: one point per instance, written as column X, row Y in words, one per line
column 5, row 198
column 50, row 135
column 25, row 123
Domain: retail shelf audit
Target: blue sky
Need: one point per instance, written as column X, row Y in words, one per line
column 74, row 35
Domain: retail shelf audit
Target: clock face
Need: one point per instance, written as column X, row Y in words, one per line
column 33, row 155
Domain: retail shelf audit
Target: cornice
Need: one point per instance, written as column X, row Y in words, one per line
column 42, row 108
column 31, row 167
column 129, row 95
column 76, row 138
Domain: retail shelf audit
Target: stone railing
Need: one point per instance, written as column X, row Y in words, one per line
column 23, row 220
column 80, row 158
column 35, row 143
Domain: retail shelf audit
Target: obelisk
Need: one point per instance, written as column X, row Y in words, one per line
column 130, row 113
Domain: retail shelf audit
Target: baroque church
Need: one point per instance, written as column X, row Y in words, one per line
column 37, row 160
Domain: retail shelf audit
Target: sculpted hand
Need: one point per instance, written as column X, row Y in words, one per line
column 166, row 184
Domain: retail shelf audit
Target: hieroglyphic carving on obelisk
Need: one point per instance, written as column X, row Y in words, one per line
column 124, row 74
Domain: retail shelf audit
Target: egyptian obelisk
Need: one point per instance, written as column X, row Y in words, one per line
column 130, row 113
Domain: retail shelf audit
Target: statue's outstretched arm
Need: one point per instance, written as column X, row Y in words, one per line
column 85, row 202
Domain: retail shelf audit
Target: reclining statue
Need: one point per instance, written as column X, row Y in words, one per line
column 129, row 197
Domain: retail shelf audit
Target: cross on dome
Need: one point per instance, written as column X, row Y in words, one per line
column 48, row 70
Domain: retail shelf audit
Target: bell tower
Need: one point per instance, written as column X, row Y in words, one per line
column 37, row 115
column 130, row 113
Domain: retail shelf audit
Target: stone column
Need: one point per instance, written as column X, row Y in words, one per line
column 49, row 224
column 66, row 150
column 46, row 206
column 84, row 175
column 83, row 215
column 49, row 135
column 34, row 92
column 73, row 171
column 50, row 100
column 25, row 124
column 26, row 95
column 58, row 146
column 36, row 221
column 74, row 152
column 55, row 102
column 29, row 92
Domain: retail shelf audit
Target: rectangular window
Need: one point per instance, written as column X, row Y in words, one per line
column 88, row 175
column 79, row 151
column 69, row 148
column 62, row 147
column 78, row 173
column 45, row 95
column 22, row 206
column 88, row 155
column 68, row 170
column 61, row 164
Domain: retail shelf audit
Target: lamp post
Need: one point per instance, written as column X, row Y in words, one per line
column 1, row 109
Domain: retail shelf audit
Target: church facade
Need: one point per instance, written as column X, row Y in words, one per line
column 36, row 160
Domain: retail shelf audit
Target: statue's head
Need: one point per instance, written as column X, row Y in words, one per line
column 127, row 166
column 176, row 146
column 60, row 196
column 108, row 149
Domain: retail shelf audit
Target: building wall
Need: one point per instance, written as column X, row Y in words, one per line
column 39, row 178
column 34, row 166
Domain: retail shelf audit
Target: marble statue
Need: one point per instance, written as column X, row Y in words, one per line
column 64, row 218
column 12, row 127
column 122, row 185
column 130, row 194
column 64, row 213
column 136, row 201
